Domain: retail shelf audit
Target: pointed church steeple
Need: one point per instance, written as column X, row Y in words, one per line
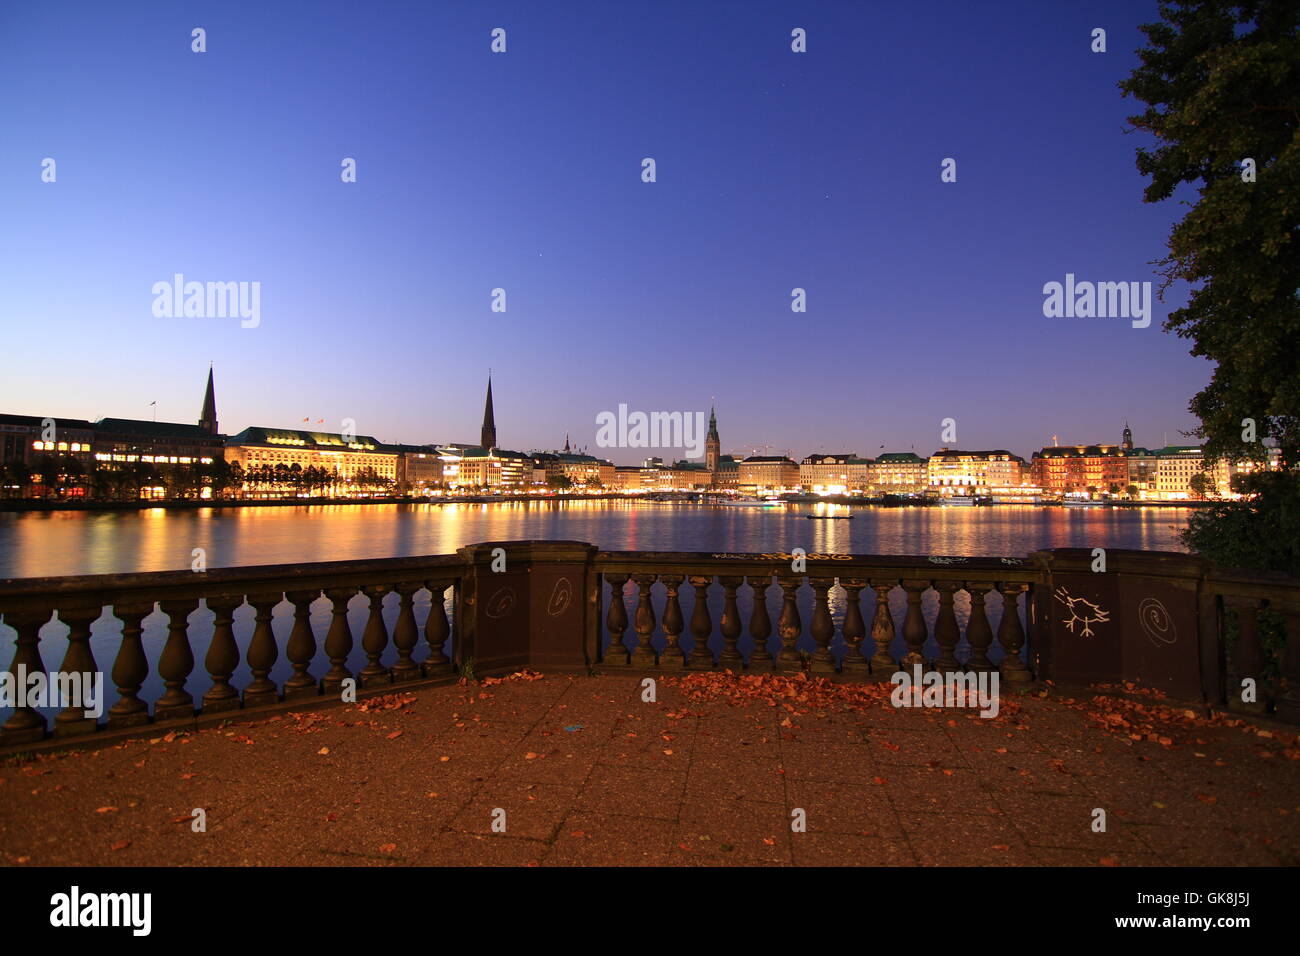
column 488, row 439
column 566, row 443
column 1127, row 443
column 208, row 417
column 712, row 443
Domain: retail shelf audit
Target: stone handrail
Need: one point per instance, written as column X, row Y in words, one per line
column 1164, row 619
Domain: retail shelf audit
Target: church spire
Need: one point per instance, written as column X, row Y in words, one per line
column 488, row 439
column 208, row 417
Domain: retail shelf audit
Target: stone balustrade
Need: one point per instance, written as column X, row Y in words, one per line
column 1170, row 621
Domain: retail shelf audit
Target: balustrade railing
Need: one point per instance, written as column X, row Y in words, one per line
column 863, row 651
column 79, row 602
column 1173, row 621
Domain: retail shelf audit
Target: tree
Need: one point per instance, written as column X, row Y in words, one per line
column 1221, row 84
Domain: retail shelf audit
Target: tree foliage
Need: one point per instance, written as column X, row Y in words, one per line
column 1221, row 84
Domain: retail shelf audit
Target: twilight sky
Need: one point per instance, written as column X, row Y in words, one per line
column 522, row 171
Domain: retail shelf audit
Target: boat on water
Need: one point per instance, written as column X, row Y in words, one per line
column 1083, row 503
column 831, row 517
column 751, row 503
column 958, row 501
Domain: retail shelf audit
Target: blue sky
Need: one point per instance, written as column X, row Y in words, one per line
column 522, row 171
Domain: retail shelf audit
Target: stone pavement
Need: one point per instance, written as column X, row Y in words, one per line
column 584, row 772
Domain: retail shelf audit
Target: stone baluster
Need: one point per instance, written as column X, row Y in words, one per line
column 436, row 631
column 760, row 624
column 855, row 629
column 374, row 639
column 823, row 626
column 301, row 646
column 176, row 661
column 222, row 657
column 701, row 623
column 130, row 667
column 946, row 631
column 671, row 658
column 405, row 634
column 1011, row 634
column 78, row 659
column 616, row 654
column 789, row 627
column 1288, row 701
column 262, row 652
column 979, row 635
column 1248, row 657
column 643, row 655
column 338, row 641
column 883, row 665
column 914, row 629
column 730, row 625
column 25, row 725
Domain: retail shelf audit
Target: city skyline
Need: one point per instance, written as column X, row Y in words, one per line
column 209, row 420
column 490, row 171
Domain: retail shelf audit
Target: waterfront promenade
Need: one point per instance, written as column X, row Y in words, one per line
column 587, row 772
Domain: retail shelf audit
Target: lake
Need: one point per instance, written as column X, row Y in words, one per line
column 36, row 544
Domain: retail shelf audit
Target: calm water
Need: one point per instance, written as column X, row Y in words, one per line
column 39, row 544
column 54, row 543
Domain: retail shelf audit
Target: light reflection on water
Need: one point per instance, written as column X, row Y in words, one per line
column 60, row 543
column 54, row 543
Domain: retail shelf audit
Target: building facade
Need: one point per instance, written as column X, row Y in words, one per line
column 898, row 473
column 834, row 474
column 955, row 472
column 769, row 474
column 279, row 461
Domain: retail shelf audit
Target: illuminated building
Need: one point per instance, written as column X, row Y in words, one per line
column 955, row 472
column 344, row 459
column 767, row 474
column 834, row 474
column 898, row 473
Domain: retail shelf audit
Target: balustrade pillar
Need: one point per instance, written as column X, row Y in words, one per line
column 222, row 657
column 25, row 725
column 883, row 665
column 701, row 657
column 78, row 659
column 789, row 626
column 979, row 635
column 823, row 627
column 643, row 655
column 405, row 634
column 130, row 667
column 1011, row 634
column 436, row 631
column 616, row 654
column 946, row 631
column 374, row 639
column 301, row 646
column 854, row 663
column 671, row 658
column 760, row 624
column 338, row 641
column 914, row 629
column 262, row 652
column 176, row 662
column 730, row 626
